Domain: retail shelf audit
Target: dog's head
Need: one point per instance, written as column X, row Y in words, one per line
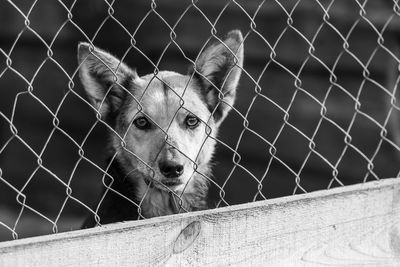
column 164, row 124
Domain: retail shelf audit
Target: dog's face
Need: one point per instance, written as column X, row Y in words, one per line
column 164, row 125
column 167, row 130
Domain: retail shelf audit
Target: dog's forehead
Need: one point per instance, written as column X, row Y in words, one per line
column 164, row 82
column 163, row 95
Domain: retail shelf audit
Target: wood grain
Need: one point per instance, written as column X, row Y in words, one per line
column 354, row 225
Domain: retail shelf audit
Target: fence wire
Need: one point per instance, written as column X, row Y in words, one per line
column 317, row 104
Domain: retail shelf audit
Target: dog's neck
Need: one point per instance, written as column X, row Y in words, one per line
column 153, row 202
column 156, row 202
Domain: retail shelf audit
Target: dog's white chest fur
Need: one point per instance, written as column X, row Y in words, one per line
column 159, row 203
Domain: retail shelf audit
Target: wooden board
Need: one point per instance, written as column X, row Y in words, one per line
column 356, row 225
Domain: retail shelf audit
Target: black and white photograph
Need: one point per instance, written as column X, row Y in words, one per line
column 199, row 133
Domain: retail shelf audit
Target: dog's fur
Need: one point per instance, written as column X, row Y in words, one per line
column 159, row 158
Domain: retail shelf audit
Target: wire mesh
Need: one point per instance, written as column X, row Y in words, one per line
column 317, row 104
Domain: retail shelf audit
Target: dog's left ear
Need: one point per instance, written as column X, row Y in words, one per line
column 218, row 70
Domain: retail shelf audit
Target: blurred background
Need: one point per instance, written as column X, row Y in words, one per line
column 317, row 94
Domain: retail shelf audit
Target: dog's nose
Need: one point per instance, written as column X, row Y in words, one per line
column 170, row 169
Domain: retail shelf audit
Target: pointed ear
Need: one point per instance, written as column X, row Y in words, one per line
column 218, row 70
column 104, row 77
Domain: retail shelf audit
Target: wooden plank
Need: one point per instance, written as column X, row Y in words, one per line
column 349, row 225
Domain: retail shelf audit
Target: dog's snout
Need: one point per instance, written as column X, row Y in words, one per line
column 171, row 169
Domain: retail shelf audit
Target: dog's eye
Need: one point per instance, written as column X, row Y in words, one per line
column 192, row 121
column 142, row 123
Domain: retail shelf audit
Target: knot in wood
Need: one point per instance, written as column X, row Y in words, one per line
column 187, row 237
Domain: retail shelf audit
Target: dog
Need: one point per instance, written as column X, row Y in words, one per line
column 162, row 129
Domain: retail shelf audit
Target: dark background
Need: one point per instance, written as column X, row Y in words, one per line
column 49, row 158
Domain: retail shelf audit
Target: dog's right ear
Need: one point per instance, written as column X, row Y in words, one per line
column 104, row 77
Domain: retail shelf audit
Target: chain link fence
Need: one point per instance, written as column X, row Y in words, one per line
column 316, row 106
